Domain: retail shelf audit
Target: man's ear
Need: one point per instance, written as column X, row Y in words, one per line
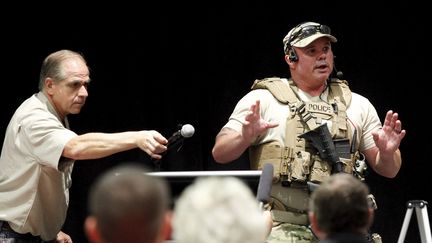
column 289, row 61
column 315, row 227
column 371, row 216
column 91, row 229
column 49, row 83
column 167, row 226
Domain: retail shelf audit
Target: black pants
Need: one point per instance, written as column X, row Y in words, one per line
column 8, row 235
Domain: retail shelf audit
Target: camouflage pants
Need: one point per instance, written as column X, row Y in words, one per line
column 291, row 233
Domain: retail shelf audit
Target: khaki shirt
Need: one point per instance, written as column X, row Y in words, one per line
column 34, row 178
column 361, row 114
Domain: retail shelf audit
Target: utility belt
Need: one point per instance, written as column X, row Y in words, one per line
column 293, row 164
column 293, row 170
column 290, row 217
column 289, row 204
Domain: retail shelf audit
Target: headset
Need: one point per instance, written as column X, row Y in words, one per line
column 292, row 55
column 303, row 31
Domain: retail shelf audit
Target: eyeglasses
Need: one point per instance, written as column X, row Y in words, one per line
column 307, row 31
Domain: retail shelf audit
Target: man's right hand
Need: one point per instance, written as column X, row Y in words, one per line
column 254, row 125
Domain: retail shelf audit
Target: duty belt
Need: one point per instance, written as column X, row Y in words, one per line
column 290, row 217
column 290, row 203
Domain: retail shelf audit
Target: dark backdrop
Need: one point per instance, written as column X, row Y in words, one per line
column 154, row 67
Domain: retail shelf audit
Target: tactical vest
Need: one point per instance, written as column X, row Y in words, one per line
column 297, row 160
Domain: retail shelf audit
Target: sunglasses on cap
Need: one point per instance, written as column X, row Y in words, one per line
column 308, row 30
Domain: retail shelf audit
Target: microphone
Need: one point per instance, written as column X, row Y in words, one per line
column 339, row 75
column 186, row 131
column 265, row 184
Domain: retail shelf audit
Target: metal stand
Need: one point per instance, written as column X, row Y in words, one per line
column 422, row 219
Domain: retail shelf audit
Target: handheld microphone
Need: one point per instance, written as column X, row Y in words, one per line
column 265, row 184
column 186, row 131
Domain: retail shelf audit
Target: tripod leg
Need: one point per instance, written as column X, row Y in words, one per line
column 423, row 224
column 405, row 225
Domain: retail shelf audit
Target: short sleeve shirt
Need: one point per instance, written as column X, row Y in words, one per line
column 34, row 177
column 361, row 115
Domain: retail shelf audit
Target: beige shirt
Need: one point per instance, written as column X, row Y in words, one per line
column 361, row 114
column 34, row 178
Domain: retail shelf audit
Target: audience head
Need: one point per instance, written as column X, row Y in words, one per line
column 340, row 204
column 218, row 210
column 128, row 205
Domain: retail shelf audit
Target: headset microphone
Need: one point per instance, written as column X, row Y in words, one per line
column 339, row 74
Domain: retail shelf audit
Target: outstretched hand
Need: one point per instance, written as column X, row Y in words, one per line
column 153, row 143
column 389, row 137
column 254, row 125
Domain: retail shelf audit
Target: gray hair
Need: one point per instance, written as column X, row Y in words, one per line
column 218, row 210
column 51, row 66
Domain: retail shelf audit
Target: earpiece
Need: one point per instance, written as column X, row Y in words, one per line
column 292, row 55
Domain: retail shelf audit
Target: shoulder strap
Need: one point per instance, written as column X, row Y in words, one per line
column 340, row 88
column 280, row 90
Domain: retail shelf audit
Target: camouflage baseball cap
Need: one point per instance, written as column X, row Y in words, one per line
column 305, row 33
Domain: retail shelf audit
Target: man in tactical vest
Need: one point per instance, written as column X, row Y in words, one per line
column 308, row 127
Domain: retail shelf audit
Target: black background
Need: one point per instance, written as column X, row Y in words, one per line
column 154, row 66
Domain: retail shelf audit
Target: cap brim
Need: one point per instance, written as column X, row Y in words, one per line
column 306, row 41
